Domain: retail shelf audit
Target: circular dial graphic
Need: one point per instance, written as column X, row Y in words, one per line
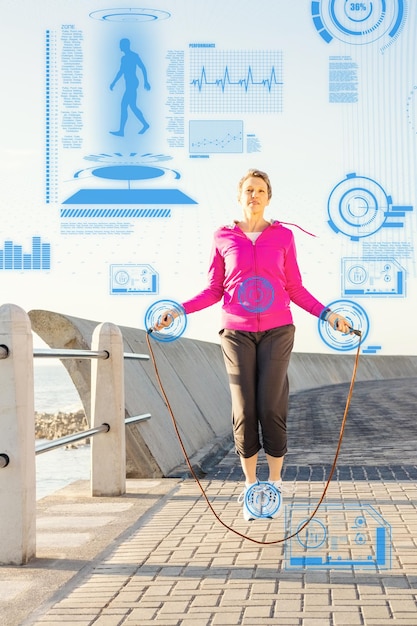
column 358, row 319
column 358, row 23
column 313, row 535
column 178, row 320
column 357, row 207
column 256, row 294
column 121, row 277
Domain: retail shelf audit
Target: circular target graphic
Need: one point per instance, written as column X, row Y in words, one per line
column 263, row 499
column 313, row 535
column 256, row 294
column 357, row 207
column 121, row 277
column 178, row 319
column 357, row 275
column 358, row 320
column 358, row 23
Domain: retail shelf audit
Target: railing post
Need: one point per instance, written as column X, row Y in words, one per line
column 17, row 440
column 108, row 452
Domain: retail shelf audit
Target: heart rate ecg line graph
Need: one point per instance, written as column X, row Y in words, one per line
column 236, row 81
column 246, row 82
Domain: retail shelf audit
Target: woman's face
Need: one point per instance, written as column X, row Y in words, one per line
column 254, row 196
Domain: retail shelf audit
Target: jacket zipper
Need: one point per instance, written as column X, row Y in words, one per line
column 258, row 316
column 255, row 264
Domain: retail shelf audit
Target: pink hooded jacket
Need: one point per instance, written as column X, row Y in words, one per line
column 257, row 281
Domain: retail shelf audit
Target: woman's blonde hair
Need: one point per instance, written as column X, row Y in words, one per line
column 256, row 174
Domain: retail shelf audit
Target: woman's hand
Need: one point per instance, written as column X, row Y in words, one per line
column 165, row 319
column 340, row 323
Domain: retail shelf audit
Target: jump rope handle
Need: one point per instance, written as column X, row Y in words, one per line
column 355, row 331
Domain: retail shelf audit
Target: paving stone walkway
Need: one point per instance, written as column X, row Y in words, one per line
column 158, row 556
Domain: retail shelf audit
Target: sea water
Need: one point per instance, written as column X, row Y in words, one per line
column 58, row 468
column 55, row 392
column 54, row 389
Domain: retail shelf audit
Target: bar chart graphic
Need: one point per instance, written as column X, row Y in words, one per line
column 12, row 256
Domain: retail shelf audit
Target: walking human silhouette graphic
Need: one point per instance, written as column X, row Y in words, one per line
column 129, row 63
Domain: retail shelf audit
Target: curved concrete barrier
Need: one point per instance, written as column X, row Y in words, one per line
column 194, row 379
column 196, row 384
column 308, row 371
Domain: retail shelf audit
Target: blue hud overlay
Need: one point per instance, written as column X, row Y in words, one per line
column 173, row 312
column 340, row 536
column 133, row 279
column 12, row 256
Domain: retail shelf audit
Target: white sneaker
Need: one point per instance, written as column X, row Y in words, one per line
column 245, row 498
column 276, row 498
column 261, row 500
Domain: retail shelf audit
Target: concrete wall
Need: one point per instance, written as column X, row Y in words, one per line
column 308, row 371
column 194, row 380
column 196, row 385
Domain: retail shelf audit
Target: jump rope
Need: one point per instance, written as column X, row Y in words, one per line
column 194, row 475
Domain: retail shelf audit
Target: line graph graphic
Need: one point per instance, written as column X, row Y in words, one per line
column 210, row 136
column 227, row 81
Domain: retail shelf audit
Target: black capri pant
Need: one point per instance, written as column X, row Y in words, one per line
column 257, row 365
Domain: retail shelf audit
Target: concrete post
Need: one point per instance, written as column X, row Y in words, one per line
column 17, row 439
column 108, row 453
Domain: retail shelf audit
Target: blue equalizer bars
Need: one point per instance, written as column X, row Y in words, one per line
column 12, row 256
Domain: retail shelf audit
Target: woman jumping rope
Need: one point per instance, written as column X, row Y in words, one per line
column 254, row 269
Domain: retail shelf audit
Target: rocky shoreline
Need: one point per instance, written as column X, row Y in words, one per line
column 55, row 425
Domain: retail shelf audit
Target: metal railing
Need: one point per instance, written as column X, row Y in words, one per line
column 4, row 460
column 55, row 353
column 19, row 449
column 85, row 434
